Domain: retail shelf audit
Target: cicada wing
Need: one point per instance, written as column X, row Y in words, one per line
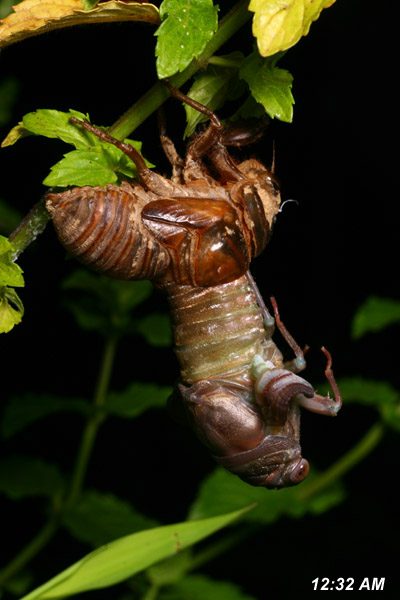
column 204, row 236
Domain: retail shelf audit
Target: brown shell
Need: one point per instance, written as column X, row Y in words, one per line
column 103, row 229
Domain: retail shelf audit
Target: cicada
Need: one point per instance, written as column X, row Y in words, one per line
column 193, row 235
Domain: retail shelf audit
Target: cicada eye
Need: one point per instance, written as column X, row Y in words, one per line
column 274, row 181
column 270, row 181
column 292, row 473
column 300, row 472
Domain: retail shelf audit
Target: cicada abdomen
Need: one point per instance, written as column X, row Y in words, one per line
column 103, row 229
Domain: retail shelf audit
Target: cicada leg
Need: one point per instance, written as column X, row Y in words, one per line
column 203, row 142
column 210, row 143
column 269, row 321
column 297, row 364
column 168, row 146
column 128, row 149
column 151, row 181
column 324, row 405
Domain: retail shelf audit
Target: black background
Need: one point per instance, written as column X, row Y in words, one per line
column 329, row 252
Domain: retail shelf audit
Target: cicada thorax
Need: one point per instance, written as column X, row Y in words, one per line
column 103, row 229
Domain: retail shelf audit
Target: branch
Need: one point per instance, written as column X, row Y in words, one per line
column 30, row 227
column 345, row 463
column 152, row 100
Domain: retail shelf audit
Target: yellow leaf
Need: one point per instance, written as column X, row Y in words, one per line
column 279, row 24
column 32, row 17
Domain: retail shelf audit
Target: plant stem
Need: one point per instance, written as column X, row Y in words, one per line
column 143, row 108
column 94, row 422
column 221, row 546
column 31, row 549
column 220, row 61
column 355, row 455
column 152, row 592
column 82, row 460
column 30, row 227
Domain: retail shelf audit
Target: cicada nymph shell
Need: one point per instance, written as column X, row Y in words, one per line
column 103, row 229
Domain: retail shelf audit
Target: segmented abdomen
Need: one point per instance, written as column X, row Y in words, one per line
column 217, row 330
column 102, row 228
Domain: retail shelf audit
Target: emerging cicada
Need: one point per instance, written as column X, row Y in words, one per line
column 194, row 236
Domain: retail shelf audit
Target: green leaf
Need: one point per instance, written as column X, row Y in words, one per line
column 82, row 167
column 183, row 34
column 15, row 134
column 5, row 246
column 98, row 518
column 374, row 315
column 222, row 491
column 367, row 391
column 269, row 85
column 94, row 162
column 10, row 273
column 170, row 570
column 107, row 304
column 391, row 415
column 156, row 329
column 97, row 166
column 212, row 88
column 250, row 109
column 89, row 4
column 56, row 124
column 199, row 587
column 5, row 7
column 26, row 476
column 279, row 25
column 136, row 399
column 22, row 411
column 129, row 555
column 11, row 309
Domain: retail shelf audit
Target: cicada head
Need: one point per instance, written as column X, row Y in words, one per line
column 275, row 463
column 258, row 193
column 234, row 430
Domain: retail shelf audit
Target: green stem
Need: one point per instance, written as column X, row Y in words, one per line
column 143, row 108
column 94, row 422
column 30, row 227
column 367, row 443
column 221, row 61
column 228, row 541
column 152, row 592
column 31, row 549
column 82, row 460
